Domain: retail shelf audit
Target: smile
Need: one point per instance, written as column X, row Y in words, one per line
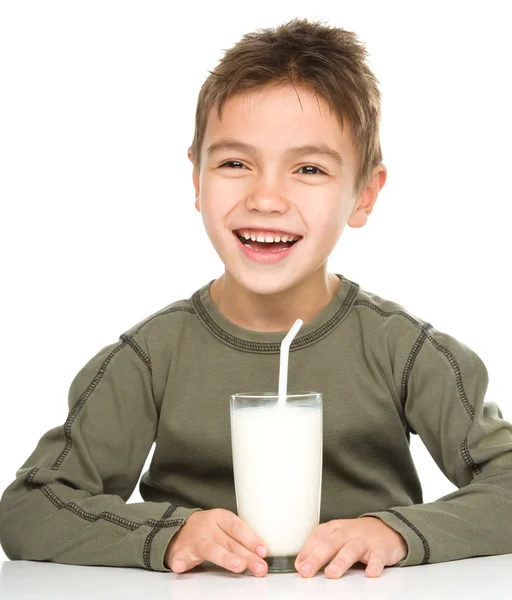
column 266, row 252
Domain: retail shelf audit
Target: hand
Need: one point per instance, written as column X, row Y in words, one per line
column 367, row 539
column 220, row 536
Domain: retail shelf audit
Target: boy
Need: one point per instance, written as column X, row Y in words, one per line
column 286, row 152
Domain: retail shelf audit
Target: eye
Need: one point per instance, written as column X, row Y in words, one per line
column 235, row 164
column 320, row 171
column 232, row 162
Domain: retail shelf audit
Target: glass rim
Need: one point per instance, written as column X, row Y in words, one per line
column 270, row 395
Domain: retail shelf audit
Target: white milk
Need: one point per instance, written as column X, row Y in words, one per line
column 277, row 461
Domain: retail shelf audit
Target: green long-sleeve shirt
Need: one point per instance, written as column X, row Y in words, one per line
column 383, row 374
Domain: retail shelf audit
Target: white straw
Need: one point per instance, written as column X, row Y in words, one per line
column 283, row 362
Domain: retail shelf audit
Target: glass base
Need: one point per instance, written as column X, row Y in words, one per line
column 281, row 564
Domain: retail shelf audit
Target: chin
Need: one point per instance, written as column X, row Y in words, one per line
column 266, row 283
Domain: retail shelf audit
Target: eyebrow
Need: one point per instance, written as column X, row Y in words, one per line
column 295, row 152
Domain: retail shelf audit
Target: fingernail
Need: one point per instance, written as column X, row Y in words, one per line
column 178, row 565
column 236, row 562
column 306, row 569
column 261, row 550
column 333, row 569
column 259, row 568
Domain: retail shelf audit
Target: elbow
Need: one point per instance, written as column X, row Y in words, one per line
column 8, row 534
column 17, row 532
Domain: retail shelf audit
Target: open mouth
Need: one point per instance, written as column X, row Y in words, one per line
column 266, row 246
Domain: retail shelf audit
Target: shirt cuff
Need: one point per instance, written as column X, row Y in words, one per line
column 416, row 542
column 164, row 535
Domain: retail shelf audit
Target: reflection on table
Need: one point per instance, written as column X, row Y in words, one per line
column 485, row 577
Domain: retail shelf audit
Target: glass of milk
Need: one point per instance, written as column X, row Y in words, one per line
column 277, row 464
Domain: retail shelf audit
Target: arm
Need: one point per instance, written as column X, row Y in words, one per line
column 472, row 445
column 68, row 501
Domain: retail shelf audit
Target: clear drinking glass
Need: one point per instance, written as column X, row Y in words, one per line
column 277, row 463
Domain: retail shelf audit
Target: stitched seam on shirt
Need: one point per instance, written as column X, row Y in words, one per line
column 164, row 311
column 146, row 554
column 97, row 378
column 105, row 515
column 466, row 457
column 271, row 347
column 138, row 351
column 29, row 479
column 420, row 340
column 414, row 351
column 50, row 495
column 418, row 344
column 455, row 366
column 79, row 404
column 384, row 313
column 426, row 548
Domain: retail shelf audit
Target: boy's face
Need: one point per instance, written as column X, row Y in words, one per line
column 311, row 195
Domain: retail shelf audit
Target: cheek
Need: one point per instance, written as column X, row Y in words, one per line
column 216, row 207
column 326, row 222
column 328, row 233
column 219, row 181
column 219, row 193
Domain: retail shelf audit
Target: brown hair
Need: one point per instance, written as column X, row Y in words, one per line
column 328, row 60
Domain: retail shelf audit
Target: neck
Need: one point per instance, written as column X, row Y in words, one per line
column 273, row 312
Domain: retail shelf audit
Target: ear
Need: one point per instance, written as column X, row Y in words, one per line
column 195, row 179
column 366, row 200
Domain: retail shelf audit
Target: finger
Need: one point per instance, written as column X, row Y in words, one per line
column 182, row 561
column 351, row 552
column 237, row 529
column 376, row 564
column 217, row 554
column 317, row 535
column 255, row 564
column 321, row 553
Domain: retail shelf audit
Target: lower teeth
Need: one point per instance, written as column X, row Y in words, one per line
column 280, row 250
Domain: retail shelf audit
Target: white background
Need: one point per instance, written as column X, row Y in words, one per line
column 97, row 106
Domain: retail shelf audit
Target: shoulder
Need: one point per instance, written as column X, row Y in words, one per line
column 392, row 327
column 165, row 323
column 385, row 314
column 386, row 326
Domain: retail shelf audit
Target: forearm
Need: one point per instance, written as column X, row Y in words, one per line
column 473, row 521
column 68, row 501
column 43, row 519
column 471, row 443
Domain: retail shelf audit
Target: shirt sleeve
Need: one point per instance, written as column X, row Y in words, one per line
column 470, row 442
column 68, row 503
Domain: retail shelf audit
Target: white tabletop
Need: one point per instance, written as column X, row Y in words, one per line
column 487, row 577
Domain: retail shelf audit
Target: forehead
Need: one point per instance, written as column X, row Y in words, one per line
column 276, row 117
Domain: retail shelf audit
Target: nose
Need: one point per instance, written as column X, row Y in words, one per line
column 266, row 197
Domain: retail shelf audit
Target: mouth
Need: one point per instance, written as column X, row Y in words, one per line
column 273, row 246
column 266, row 253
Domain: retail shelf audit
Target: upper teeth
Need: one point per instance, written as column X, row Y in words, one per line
column 268, row 237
